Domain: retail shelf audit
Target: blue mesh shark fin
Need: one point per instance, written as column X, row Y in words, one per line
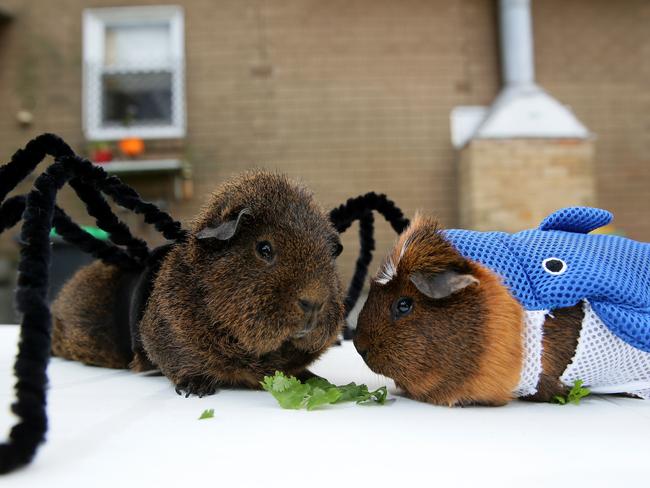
column 577, row 219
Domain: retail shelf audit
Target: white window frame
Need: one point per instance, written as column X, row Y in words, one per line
column 94, row 26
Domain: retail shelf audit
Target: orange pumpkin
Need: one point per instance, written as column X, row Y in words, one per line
column 132, row 146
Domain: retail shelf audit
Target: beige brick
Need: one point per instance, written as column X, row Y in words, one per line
column 511, row 185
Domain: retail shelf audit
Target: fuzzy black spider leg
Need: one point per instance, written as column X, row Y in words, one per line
column 25, row 160
column 86, row 181
column 40, row 212
column 126, row 197
column 11, row 212
column 35, row 331
column 357, row 209
column 74, row 234
column 343, row 216
column 117, row 230
column 367, row 246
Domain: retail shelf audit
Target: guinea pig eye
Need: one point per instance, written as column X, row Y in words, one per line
column 265, row 250
column 338, row 249
column 402, row 307
column 554, row 266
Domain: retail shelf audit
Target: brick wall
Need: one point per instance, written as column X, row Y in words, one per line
column 595, row 56
column 351, row 96
column 346, row 96
column 512, row 184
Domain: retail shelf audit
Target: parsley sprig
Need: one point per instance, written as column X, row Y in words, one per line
column 207, row 414
column 292, row 393
column 576, row 393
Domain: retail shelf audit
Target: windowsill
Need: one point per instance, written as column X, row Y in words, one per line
column 115, row 134
column 142, row 166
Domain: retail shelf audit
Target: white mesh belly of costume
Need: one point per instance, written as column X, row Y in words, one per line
column 532, row 339
column 605, row 363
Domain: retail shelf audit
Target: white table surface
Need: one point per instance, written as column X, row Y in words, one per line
column 118, row 429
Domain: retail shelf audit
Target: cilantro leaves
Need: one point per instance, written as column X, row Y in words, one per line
column 207, row 414
column 315, row 392
column 574, row 396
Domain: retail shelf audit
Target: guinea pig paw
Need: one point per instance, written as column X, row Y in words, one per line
column 197, row 385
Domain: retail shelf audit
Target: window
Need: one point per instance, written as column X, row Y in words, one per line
column 133, row 72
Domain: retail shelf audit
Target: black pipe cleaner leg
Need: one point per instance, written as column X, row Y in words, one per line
column 73, row 234
column 25, row 160
column 358, row 209
column 12, row 210
column 343, row 216
column 35, row 332
column 39, row 213
column 126, row 197
column 118, row 231
column 367, row 246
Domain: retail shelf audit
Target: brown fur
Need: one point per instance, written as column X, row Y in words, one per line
column 85, row 328
column 561, row 333
column 500, row 366
column 220, row 314
column 465, row 348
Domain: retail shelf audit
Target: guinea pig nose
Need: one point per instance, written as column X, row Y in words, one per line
column 309, row 306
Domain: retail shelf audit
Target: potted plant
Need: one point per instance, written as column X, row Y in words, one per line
column 101, row 152
column 131, row 147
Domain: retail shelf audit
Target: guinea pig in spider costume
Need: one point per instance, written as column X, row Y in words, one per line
column 253, row 290
column 250, row 288
column 460, row 317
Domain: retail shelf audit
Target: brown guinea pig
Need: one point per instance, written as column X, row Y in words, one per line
column 448, row 331
column 253, row 290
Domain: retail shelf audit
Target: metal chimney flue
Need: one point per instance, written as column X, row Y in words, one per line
column 523, row 109
column 527, row 154
column 516, row 35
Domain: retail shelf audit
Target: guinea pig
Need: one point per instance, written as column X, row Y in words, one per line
column 449, row 332
column 254, row 289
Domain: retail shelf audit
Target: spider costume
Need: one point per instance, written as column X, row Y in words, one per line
column 40, row 213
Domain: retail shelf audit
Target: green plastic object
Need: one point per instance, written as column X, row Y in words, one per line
column 96, row 232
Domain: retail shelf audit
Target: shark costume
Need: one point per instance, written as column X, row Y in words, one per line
column 559, row 265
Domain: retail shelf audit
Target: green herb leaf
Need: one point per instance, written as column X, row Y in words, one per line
column 320, row 397
column 559, row 399
column 353, row 393
column 576, row 393
column 317, row 382
column 287, row 390
column 315, row 392
column 207, row 414
column 379, row 395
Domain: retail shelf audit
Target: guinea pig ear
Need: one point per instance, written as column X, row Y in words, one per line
column 226, row 230
column 443, row 284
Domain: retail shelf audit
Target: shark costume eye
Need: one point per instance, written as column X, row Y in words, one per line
column 554, row 266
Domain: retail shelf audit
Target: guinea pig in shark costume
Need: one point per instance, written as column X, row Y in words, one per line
column 560, row 264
